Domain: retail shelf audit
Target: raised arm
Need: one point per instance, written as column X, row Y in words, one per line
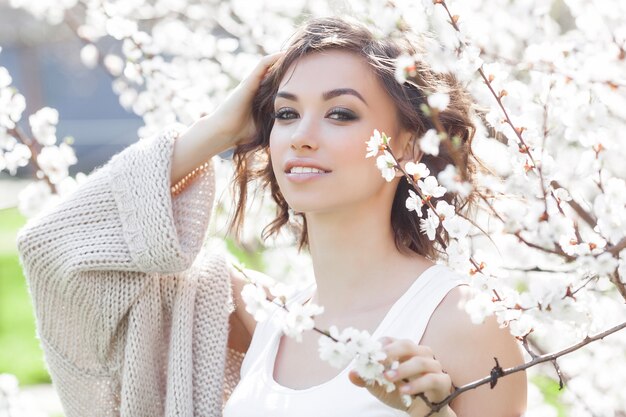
column 105, row 264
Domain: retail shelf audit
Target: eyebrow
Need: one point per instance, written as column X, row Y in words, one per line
column 327, row 95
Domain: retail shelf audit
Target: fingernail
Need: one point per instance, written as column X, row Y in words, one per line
column 384, row 341
column 391, row 374
column 404, row 388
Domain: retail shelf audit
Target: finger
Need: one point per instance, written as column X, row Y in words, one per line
column 414, row 367
column 356, row 379
column 437, row 385
column 261, row 68
column 403, row 349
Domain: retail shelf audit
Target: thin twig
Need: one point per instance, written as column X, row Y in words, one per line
column 535, row 361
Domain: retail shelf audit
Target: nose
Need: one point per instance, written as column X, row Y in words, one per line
column 304, row 136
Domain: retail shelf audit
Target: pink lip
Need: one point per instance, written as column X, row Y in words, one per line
column 302, row 162
column 304, row 177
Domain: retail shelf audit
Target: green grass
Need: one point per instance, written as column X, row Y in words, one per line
column 10, row 221
column 20, row 353
column 551, row 392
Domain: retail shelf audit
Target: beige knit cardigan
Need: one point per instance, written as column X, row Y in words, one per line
column 131, row 308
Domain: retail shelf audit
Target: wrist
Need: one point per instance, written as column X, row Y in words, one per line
column 216, row 139
column 444, row 412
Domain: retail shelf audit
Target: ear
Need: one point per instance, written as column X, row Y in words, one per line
column 406, row 147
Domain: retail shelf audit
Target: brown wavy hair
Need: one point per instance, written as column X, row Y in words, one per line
column 252, row 159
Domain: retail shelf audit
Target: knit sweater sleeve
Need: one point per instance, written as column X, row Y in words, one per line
column 123, row 217
column 93, row 254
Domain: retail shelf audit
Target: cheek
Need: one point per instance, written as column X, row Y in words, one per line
column 276, row 149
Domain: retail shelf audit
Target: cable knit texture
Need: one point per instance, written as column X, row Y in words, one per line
column 131, row 306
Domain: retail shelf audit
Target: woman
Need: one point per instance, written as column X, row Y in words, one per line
column 136, row 320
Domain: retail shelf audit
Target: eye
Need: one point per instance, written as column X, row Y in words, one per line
column 340, row 113
column 285, row 113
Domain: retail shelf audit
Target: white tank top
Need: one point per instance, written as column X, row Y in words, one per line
column 258, row 394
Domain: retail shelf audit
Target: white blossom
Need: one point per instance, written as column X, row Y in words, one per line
column 387, row 166
column 376, row 143
column 54, row 161
column 34, row 198
column 120, row 27
column 11, row 107
column 429, row 143
column 256, row 302
column 451, row 180
column 430, row 224
column 336, row 353
column 114, row 64
column 439, row 101
column 89, row 55
column 430, row 187
column 419, row 170
column 369, row 367
column 479, row 307
column 521, row 326
column 299, row 318
column 5, row 78
column 405, row 67
column 458, row 253
column 456, row 226
column 18, row 156
column 445, row 210
column 43, row 124
column 414, row 203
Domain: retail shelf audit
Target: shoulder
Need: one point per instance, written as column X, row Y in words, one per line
column 467, row 350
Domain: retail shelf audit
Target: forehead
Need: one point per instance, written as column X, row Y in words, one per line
column 327, row 70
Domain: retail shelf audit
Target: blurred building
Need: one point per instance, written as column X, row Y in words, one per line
column 44, row 62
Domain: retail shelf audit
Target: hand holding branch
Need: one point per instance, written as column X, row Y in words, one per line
column 418, row 374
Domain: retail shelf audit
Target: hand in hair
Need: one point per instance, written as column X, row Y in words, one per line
column 229, row 125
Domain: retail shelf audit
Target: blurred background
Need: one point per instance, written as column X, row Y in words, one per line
column 45, row 64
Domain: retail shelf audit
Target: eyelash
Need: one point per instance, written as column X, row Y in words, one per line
column 345, row 114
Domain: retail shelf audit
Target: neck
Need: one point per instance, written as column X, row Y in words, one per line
column 356, row 263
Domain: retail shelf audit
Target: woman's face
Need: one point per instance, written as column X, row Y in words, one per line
column 327, row 106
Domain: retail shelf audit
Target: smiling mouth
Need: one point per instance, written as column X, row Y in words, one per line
column 306, row 170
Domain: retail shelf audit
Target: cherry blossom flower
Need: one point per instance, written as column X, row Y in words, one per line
column 479, row 307
column 438, row 101
column 405, row 67
column 11, row 107
column 387, row 166
column 89, row 55
column 430, row 224
column 256, row 302
column 336, row 353
column 43, row 125
column 34, row 198
column 451, row 180
column 376, row 143
column 456, row 226
column 414, row 203
column 430, row 187
column 299, row 318
column 18, row 156
column 55, row 160
column 419, row 170
column 445, row 210
column 429, row 143
column 5, row 78
column 458, row 253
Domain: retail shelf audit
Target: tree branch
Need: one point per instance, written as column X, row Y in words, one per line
column 551, row 357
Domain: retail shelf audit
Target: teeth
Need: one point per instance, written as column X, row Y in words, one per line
column 305, row 170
